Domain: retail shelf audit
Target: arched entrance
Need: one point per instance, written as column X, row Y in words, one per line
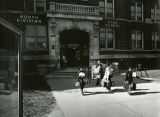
column 75, row 47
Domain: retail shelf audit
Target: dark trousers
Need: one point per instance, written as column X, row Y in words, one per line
column 98, row 82
column 82, row 83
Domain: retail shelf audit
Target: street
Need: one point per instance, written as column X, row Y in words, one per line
column 98, row 102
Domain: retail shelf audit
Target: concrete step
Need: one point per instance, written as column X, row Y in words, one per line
column 63, row 73
column 60, row 76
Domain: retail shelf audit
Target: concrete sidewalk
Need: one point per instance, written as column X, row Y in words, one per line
column 9, row 104
column 98, row 102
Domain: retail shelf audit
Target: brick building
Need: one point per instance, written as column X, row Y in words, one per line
column 85, row 31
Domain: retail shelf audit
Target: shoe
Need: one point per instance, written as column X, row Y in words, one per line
column 82, row 93
column 110, row 90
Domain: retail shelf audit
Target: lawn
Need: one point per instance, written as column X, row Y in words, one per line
column 38, row 103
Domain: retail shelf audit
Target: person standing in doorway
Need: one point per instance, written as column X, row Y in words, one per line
column 64, row 60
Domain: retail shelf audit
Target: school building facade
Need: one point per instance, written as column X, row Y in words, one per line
column 84, row 31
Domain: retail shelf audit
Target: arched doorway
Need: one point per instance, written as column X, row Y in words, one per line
column 75, row 47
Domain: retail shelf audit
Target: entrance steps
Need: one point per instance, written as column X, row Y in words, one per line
column 69, row 72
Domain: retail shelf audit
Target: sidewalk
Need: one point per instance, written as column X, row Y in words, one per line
column 98, row 102
column 8, row 104
column 153, row 75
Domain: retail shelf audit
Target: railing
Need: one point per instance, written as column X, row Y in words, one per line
column 72, row 8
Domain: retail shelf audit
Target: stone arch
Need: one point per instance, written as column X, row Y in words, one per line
column 68, row 24
column 75, row 46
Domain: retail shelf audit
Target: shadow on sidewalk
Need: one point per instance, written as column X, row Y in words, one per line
column 4, row 92
column 87, row 93
column 141, row 89
column 143, row 93
column 118, row 90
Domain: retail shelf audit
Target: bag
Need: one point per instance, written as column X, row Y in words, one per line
column 81, row 74
column 77, row 84
column 86, row 81
column 95, row 71
column 134, row 86
column 103, row 82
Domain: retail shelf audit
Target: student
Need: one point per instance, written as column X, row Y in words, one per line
column 98, row 73
column 81, row 79
column 108, row 76
column 129, row 78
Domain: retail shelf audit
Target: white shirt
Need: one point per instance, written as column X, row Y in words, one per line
column 108, row 71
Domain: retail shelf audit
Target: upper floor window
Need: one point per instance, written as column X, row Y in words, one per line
column 136, row 10
column 29, row 5
column 107, row 38
column 137, row 40
column 101, row 8
column 40, row 5
column 102, row 35
column 35, row 37
column 155, row 40
column 110, row 8
column 106, row 8
column 35, row 5
column 155, row 14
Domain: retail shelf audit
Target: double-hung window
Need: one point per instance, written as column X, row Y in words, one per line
column 40, row 5
column 102, row 8
column 110, row 8
column 155, row 14
column 107, row 37
column 102, row 38
column 35, row 5
column 137, row 40
column 136, row 10
column 35, row 37
column 155, row 40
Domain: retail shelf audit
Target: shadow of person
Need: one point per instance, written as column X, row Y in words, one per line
column 87, row 93
column 143, row 93
column 141, row 89
column 118, row 90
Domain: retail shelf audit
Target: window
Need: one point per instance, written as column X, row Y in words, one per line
column 101, row 8
column 110, row 8
column 29, row 5
column 40, row 5
column 155, row 14
column 155, row 40
column 102, row 38
column 110, row 38
column 137, row 40
column 107, row 38
column 136, row 11
column 35, row 37
column 35, row 5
